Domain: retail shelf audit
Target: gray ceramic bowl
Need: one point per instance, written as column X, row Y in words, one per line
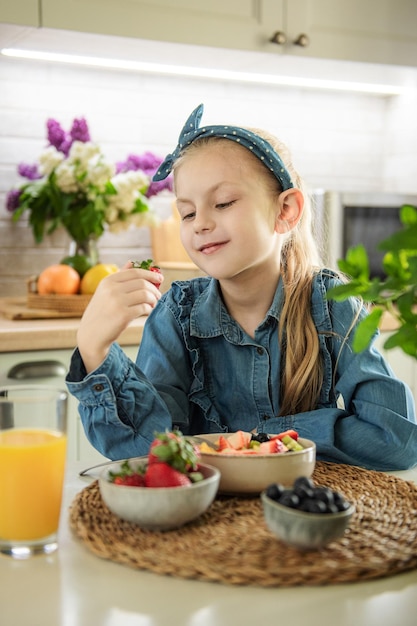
column 307, row 531
column 251, row 474
column 162, row 508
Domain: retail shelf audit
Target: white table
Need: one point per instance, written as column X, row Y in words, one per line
column 75, row 588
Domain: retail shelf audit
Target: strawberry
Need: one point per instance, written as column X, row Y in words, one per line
column 127, row 476
column 223, row 444
column 174, row 449
column 239, row 440
column 163, row 475
column 134, row 480
column 148, row 265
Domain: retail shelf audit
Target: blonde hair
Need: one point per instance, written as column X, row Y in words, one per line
column 302, row 368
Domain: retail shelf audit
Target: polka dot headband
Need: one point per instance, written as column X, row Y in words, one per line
column 259, row 147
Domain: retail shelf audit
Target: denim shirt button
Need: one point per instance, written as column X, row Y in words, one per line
column 98, row 387
column 265, row 417
column 260, row 351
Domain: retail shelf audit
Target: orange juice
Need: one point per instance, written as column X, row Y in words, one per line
column 32, row 464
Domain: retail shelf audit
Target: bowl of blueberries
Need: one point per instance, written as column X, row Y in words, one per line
column 306, row 516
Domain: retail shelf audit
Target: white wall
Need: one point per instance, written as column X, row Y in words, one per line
column 339, row 141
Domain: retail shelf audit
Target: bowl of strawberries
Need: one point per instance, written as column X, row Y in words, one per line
column 164, row 490
column 249, row 462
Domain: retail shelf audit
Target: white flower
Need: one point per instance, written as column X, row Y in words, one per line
column 65, row 178
column 49, row 159
column 80, row 153
column 99, row 171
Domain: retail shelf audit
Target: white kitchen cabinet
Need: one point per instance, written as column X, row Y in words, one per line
column 23, row 12
column 52, row 366
column 376, row 31
column 244, row 24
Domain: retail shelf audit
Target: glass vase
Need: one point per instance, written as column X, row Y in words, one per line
column 87, row 248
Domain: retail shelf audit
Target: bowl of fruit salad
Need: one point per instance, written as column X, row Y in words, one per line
column 306, row 516
column 163, row 490
column 249, row 462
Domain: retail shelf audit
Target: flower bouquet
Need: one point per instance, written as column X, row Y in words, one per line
column 75, row 187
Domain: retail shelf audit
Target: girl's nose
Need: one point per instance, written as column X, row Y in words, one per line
column 203, row 222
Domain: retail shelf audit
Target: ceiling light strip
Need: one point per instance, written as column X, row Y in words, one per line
column 202, row 72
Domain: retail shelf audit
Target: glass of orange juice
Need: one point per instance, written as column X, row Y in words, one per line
column 33, row 443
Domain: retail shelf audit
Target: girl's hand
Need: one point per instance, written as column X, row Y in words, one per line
column 118, row 299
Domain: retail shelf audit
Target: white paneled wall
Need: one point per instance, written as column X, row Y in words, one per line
column 339, row 141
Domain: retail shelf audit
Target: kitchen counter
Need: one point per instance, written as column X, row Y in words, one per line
column 73, row 587
column 51, row 334
column 57, row 333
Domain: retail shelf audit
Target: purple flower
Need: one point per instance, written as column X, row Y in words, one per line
column 79, row 130
column 158, row 186
column 31, row 172
column 56, row 134
column 12, row 200
column 147, row 162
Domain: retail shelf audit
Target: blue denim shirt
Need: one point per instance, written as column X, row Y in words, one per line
column 198, row 370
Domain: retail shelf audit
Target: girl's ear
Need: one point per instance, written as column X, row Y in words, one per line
column 290, row 210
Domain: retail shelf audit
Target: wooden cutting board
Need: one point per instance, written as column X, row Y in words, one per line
column 17, row 309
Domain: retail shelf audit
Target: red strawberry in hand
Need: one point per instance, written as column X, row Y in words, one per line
column 148, row 265
column 163, row 475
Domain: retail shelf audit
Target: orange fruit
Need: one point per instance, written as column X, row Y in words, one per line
column 59, row 279
column 95, row 275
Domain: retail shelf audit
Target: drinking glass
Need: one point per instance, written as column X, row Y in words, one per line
column 33, row 443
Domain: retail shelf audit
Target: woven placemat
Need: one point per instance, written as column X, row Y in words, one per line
column 231, row 544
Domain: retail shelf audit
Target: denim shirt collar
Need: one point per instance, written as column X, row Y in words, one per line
column 209, row 316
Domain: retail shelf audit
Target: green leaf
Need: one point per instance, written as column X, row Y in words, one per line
column 356, row 263
column 408, row 214
column 405, row 338
column 366, row 330
column 401, row 240
column 342, row 292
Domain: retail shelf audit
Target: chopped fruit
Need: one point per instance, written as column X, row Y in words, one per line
column 291, row 443
column 273, row 446
column 239, row 440
column 224, row 444
column 242, row 442
column 291, row 433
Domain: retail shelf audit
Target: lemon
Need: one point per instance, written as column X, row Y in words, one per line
column 95, row 275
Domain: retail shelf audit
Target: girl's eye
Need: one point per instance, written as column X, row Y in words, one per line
column 224, row 205
column 188, row 216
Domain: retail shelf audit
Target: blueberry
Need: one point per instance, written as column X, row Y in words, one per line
column 260, row 437
column 324, row 494
column 275, row 491
column 303, row 481
column 290, row 499
column 342, row 505
column 314, row 506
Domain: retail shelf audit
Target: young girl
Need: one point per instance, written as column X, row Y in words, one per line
column 255, row 345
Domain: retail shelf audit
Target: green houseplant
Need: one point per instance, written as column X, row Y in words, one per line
column 396, row 293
